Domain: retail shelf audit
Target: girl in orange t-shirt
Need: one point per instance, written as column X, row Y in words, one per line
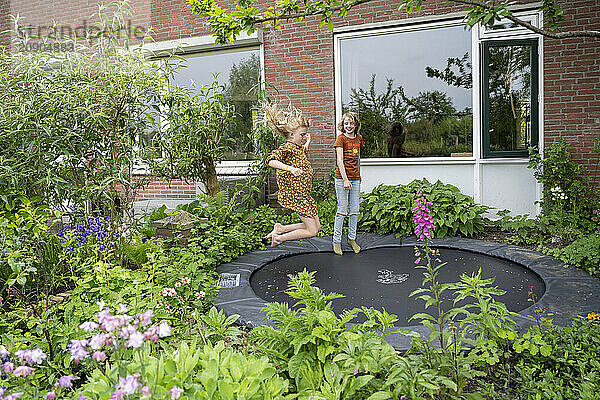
column 347, row 180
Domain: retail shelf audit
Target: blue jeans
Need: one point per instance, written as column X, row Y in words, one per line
column 347, row 204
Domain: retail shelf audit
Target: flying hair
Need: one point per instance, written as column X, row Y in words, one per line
column 285, row 121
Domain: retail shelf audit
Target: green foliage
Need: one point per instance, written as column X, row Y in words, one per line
column 560, row 363
column 388, row 209
column 70, row 133
column 228, row 24
column 565, row 185
column 583, row 253
column 316, row 349
column 205, row 373
column 195, row 139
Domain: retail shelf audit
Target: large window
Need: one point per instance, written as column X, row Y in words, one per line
column 239, row 73
column 510, row 97
column 412, row 89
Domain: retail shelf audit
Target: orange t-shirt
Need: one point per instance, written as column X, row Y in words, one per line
column 351, row 155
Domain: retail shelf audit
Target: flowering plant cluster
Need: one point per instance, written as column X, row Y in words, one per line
column 424, row 223
column 118, row 333
column 19, row 368
column 181, row 300
column 93, row 230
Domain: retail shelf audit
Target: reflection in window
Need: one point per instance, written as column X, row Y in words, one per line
column 510, row 97
column 412, row 90
column 239, row 73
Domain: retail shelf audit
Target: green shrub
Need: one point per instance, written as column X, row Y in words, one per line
column 583, row 253
column 388, row 209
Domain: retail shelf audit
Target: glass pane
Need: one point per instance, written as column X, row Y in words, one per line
column 239, row 73
column 509, row 88
column 412, row 91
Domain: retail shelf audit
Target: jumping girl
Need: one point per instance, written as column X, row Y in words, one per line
column 294, row 174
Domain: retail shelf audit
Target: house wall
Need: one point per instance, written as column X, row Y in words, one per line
column 299, row 62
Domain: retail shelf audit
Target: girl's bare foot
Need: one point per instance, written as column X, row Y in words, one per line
column 276, row 230
column 274, row 239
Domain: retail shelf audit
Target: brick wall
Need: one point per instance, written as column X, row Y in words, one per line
column 299, row 62
column 4, row 22
column 160, row 189
column 572, row 85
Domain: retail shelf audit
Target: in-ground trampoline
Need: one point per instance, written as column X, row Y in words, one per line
column 383, row 275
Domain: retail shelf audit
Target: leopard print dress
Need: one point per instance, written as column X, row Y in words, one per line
column 294, row 191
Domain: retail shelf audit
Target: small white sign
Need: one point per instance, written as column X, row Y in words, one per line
column 227, row 281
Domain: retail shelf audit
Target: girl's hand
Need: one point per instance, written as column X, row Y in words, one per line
column 347, row 185
column 296, row 171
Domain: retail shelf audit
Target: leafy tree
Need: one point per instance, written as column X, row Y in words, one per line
column 226, row 24
column 70, row 122
column 464, row 78
column 196, row 136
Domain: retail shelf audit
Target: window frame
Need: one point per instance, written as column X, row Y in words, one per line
column 412, row 25
column 197, row 45
column 485, row 102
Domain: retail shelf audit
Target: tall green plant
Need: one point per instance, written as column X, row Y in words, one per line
column 195, row 138
column 70, row 123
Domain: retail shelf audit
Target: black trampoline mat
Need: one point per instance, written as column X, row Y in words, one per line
column 385, row 277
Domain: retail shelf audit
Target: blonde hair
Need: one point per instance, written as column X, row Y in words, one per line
column 354, row 117
column 285, row 121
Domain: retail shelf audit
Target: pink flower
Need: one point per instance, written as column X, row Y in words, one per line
column 418, row 260
column 88, row 326
column 8, row 367
column 65, row 381
column 175, row 392
column 129, row 384
column 23, row 371
column 117, row 395
column 50, row 396
column 99, row 356
column 136, row 340
column 145, row 391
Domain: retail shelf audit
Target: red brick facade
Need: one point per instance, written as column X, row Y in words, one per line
column 299, row 61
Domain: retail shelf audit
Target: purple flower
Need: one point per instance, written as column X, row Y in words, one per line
column 99, row 356
column 145, row 391
column 175, row 392
column 8, row 367
column 13, row 396
column 135, row 340
column 97, row 341
column 77, row 350
column 65, row 381
column 88, row 326
column 3, row 352
column 117, row 395
column 23, row 371
column 146, row 318
column 50, row 396
column 128, row 384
